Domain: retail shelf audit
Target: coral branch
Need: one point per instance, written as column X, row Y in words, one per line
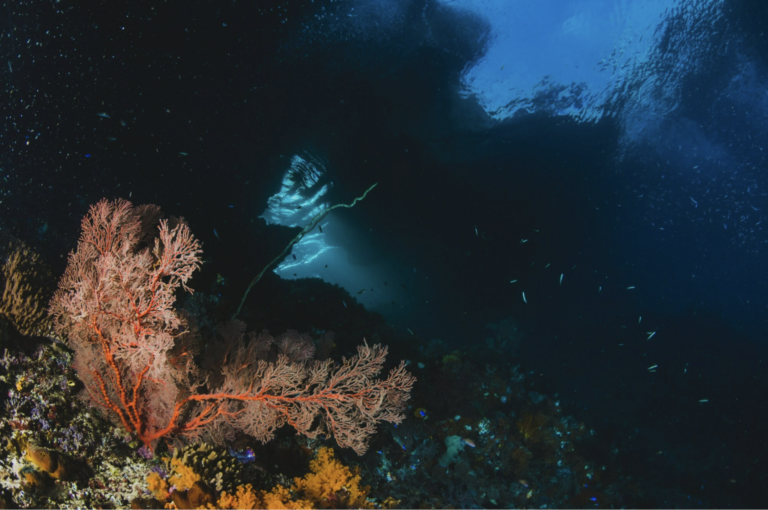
column 115, row 305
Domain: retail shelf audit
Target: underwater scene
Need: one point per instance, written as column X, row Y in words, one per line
column 384, row 254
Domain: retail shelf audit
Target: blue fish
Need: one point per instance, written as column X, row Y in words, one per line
column 244, row 456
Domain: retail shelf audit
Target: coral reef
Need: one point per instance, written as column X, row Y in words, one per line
column 57, row 453
column 329, row 484
column 480, row 432
column 213, row 465
column 332, row 484
column 26, row 283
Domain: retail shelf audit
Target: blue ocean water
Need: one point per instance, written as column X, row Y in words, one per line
column 574, row 192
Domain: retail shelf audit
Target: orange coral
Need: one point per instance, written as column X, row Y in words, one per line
column 280, row 498
column 332, row 484
column 116, row 307
column 244, row 498
column 157, row 486
column 183, row 476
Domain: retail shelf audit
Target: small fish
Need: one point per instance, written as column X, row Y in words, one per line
column 477, row 234
column 245, row 456
column 294, row 256
column 524, row 300
column 104, row 115
column 630, row 287
column 216, row 234
column 523, row 241
column 344, row 303
column 411, row 332
column 183, row 154
column 561, row 278
column 512, row 281
column 321, row 228
column 650, row 334
column 599, row 290
column 652, row 367
column 639, row 319
column 703, row 401
column 468, row 442
column 361, row 291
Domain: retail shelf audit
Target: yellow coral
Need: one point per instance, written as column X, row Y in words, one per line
column 25, row 285
column 244, row 498
column 332, row 484
column 390, row 502
column 157, row 486
column 183, row 476
column 280, row 498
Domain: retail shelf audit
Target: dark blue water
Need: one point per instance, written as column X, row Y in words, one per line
column 594, row 173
